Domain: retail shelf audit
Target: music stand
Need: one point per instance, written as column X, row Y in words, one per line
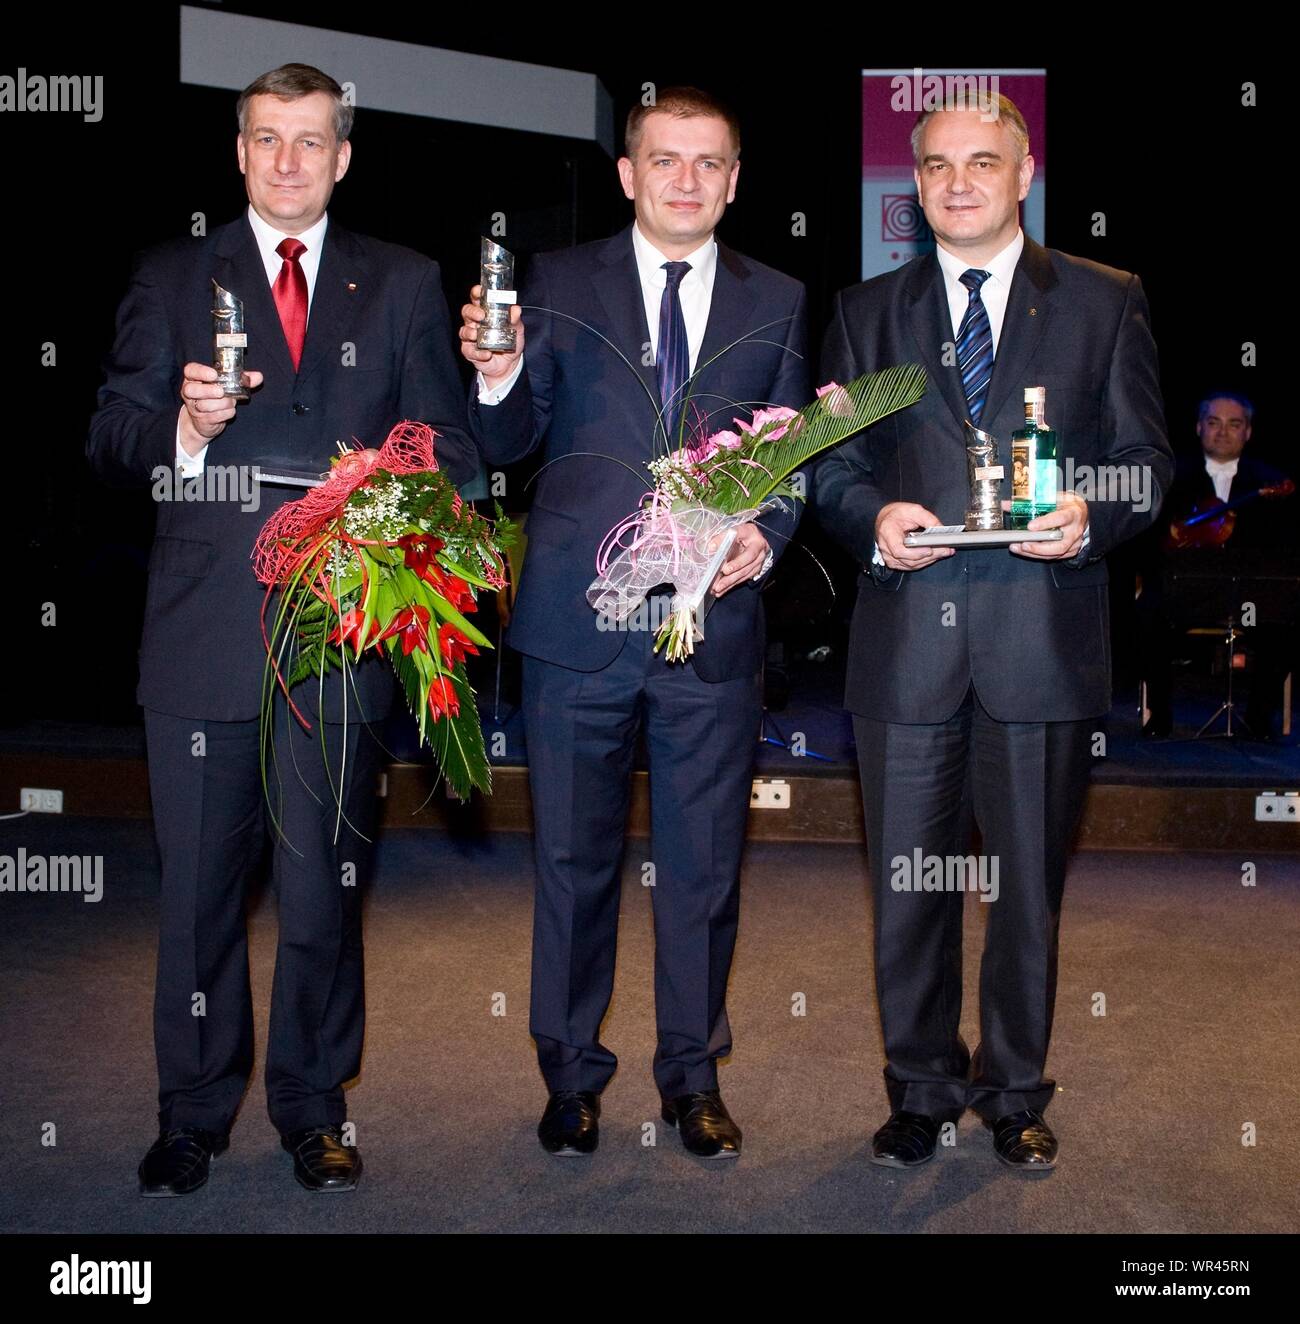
column 1210, row 584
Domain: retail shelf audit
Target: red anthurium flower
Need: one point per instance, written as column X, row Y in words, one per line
column 412, row 623
column 454, row 645
column 420, row 549
column 443, row 698
column 348, row 630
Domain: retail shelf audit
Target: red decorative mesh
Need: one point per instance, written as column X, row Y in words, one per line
column 407, row 450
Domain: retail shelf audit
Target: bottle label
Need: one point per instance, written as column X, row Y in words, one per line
column 1021, row 470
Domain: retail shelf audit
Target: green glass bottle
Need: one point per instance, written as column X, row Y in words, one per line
column 1033, row 462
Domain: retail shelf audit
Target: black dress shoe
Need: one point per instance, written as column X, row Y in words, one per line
column 905, row 1141
column 569, row 1125
column 1023, row 1140
column 177, row 1162
column 705, row 1124
column 321, row 1161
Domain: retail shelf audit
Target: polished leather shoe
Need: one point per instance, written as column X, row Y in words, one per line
column 321, row 1161
column 1023, row 1140
column 905, row 1141
column 178, row 1161
column 705, row 1124
column 569, row 1124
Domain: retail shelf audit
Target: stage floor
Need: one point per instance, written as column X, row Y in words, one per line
column 1198, row 1042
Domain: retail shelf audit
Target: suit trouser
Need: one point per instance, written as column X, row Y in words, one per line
column 1025, row 783
column 701, row 738
column 212, row 823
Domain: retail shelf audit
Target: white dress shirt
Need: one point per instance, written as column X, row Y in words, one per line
column 268, row 240
column 695, row 292
column 1221, row 472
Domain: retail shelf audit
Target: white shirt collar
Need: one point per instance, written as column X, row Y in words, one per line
column 649, row 261
column 269, row 238
column 1214, row 466
column 1001, row 267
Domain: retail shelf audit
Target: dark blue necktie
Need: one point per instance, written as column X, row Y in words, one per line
column 975, row 345
column 674, row 358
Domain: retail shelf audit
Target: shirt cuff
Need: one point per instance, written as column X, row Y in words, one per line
column 493, row 395
column 187, row 465
column 767, row 564
column 1080, row 557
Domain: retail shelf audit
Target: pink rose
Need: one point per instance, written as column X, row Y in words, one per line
column 840, row 404
column 762, row 418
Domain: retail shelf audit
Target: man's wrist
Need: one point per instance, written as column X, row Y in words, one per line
column 188, row 464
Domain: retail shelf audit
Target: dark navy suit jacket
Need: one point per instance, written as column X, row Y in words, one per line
column 1033, row 636
column 577, row 398
column 378, row 350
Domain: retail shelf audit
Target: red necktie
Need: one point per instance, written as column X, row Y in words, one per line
column 290, row 291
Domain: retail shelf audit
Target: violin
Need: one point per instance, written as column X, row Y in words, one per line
column 1211, row 525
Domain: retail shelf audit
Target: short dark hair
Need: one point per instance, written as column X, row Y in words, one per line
column 1206, row 400
column 682, row 103
column 291, row 81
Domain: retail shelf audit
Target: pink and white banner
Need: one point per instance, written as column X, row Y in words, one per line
column 893, row 225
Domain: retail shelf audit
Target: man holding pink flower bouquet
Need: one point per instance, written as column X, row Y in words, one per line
column 640, row 349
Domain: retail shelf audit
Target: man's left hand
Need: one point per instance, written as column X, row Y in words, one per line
column 1071, row 515
column 743, row 562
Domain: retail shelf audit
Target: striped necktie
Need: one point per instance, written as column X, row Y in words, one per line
column 975, row 345
column 673, row 361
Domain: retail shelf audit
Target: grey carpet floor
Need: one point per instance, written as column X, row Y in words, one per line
column 1198, row 1047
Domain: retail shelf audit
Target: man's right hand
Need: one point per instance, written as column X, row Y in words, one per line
column 206, row 410
column 894, row 522
column 495, row 367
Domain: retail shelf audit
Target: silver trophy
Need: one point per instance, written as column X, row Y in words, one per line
column 984, row 510
column 497, row 278
column 229, row 341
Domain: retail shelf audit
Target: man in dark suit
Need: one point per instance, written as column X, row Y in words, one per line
column 349, row 335
column 1263, row 531
column 976, row 677
column 669, row 299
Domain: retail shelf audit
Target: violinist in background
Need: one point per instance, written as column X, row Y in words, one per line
column 1221, row 498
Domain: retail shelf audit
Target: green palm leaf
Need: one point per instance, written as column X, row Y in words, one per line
column 824, row 423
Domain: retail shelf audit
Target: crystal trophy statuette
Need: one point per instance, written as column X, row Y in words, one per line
column 497, row 278
column 229, row 341
column 984, row 508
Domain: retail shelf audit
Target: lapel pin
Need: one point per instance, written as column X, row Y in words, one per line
column 352, row 287
column 1033, row 312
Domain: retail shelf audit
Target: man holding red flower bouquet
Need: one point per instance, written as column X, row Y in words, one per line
column 349, row 335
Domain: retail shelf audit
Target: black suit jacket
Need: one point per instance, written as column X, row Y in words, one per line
column 1268, row 524
column 1033, row 637
column 374, row 304
column 576, row 395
